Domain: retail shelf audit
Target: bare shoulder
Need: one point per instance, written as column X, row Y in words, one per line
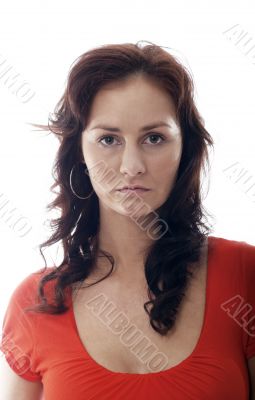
column 13, row 386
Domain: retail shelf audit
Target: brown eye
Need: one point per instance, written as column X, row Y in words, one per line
column 157, row 136
column 105, row 137
column 109, row 143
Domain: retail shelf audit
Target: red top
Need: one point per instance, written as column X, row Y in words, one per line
column 47, row 347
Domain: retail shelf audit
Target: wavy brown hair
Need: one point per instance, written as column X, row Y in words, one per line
column 168, row 258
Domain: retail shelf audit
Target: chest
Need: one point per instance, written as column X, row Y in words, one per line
column 116, row 333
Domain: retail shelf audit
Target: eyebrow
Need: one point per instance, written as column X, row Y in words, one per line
column 144, row 128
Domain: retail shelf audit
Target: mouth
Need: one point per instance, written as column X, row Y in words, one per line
column 136, row 190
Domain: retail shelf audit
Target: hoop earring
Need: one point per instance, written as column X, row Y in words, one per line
column 71, row 186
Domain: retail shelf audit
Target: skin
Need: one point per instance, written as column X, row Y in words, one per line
column 136, row 158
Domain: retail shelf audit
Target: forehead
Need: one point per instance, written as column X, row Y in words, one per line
column 135, row 99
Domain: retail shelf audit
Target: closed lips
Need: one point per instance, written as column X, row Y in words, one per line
column 133, row 188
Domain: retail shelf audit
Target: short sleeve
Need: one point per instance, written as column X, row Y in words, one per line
column 248, row 266
column 18, row 331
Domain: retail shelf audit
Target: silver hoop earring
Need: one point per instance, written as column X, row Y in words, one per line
column 71, row 186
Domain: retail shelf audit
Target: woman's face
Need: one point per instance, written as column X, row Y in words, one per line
column 132, row 155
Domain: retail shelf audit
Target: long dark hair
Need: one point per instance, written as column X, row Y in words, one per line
column 168, row 259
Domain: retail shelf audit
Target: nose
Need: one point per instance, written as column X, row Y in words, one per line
column 131, row 163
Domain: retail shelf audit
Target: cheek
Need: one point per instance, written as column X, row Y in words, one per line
column 90, row 152
column 94, row 161
column 164, row 172
column 165, row 165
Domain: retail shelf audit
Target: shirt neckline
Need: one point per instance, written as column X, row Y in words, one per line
column 180, row 364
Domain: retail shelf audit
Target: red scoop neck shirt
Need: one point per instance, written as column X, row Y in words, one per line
column 47, row 348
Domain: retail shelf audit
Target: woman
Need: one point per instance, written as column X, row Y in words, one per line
column 158, row 324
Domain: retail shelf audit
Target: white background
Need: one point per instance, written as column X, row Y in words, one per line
column 40, row 40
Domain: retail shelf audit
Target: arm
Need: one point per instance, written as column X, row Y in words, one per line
column 13, row 387
column 251, row 369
